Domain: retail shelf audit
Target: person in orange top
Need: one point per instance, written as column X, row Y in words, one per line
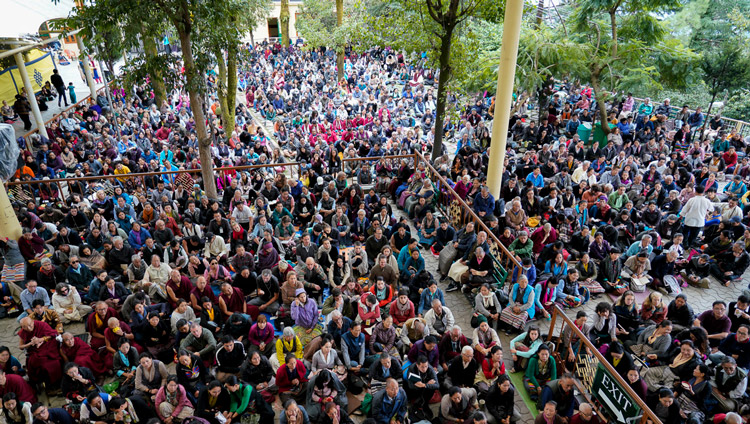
column 383, row 292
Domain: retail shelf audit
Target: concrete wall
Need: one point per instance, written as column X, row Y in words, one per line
column 262, row 30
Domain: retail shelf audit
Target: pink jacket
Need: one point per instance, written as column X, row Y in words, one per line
column 182, row 401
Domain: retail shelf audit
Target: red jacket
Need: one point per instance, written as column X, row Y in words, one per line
column 283, row 382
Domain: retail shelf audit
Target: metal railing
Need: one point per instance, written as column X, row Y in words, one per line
column 446, row 199
column 586, row 376
column 460, row 213
column 56, row 118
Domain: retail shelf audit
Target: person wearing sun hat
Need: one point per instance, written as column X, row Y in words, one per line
column 305, row 315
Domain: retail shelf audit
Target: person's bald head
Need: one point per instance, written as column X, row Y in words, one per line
column 391, row 387
column 27, row 323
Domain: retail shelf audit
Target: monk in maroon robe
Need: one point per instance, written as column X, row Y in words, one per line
column 76, row 350
column 16, row 384
column 232, row 301
column 201, row 290
column 97, row 323
column 178, row 287
column 116, row 329
column 43, row 360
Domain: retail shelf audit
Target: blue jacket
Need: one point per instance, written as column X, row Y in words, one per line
column 426, row 298
column 730, row 346
column 355, row 347
column 485, row 205
column 538, row 181
column 385, row 408
column 572, row 126
column 403, row 255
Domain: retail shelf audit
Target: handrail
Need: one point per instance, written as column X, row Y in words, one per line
column 136, row 176
column 557, row 312
column 57, row 116
column 152, row 174
column 509, row 258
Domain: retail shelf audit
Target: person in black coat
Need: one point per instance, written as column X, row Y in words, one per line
column 334, row 414
column 193, row 382
column 625, row 360
column 383, row 369
column 214, row 394
column 462, row 369
column 665, row 407
column 258, row 371
column 500, row 400
column 77, row 382
column 44, row 415
column 730, row 265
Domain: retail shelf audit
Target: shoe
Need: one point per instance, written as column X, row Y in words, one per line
column 451, row 288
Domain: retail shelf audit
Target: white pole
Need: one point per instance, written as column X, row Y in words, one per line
column 504, row 97
column 86, row 68
column 30, row 94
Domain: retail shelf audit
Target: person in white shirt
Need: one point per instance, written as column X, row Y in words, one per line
column 694, row 212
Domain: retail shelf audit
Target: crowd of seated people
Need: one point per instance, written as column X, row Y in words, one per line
column 305, row 286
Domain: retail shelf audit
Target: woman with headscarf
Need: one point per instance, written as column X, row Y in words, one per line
column 305, row 315
column 268, row 257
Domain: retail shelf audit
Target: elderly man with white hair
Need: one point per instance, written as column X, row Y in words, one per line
column 439, row 319
column 480, row 270
column 462, row 369
column 67, row 302
column 155, row 278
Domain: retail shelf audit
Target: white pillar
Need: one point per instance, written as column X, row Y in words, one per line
column 9, row 225
column 86, row 67
column 504, row 95
column 30, row 94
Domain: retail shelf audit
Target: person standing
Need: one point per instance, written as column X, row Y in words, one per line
column 694, row 213
column 22, row 109
column 59, row 84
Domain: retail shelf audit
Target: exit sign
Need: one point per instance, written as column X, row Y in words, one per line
column 613, row 397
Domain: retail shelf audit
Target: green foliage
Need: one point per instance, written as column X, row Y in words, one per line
column 726, row 69
column 716, row 23
column 316, row 24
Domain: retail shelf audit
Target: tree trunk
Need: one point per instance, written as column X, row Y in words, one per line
column 445, row 75
column 221, row 87
column 231, row 89
column 196, row 104
column 708, row 113
column 340, row 49
column 284, row 18
column 539, row 14
column 600, row 102
column 157, row 80
column 613, row 22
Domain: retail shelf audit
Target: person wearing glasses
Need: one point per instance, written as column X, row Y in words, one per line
column 45, row 415
column 729, row 383
column 716, row 322
column 735, row 345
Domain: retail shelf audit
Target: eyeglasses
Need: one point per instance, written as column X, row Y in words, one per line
column 74, row 262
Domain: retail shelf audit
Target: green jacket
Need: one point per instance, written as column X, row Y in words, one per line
column 522, row 250
column 617, row 201
column 532, row 370
column 240, row 398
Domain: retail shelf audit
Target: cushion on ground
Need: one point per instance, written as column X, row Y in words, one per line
column 517, row 379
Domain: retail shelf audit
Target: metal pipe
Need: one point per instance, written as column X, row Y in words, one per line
column 603, row 362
